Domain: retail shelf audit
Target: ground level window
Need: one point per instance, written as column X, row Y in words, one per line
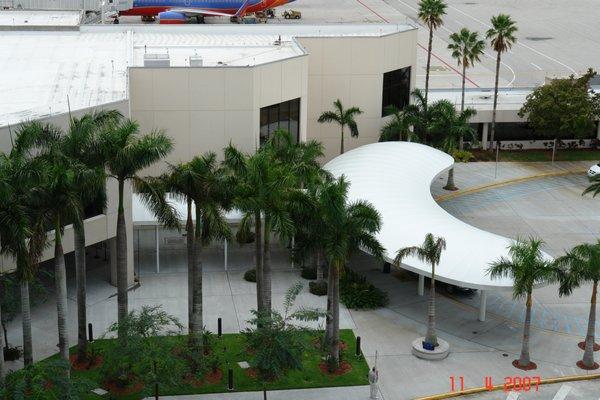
column 284, row 116
column 396, row 89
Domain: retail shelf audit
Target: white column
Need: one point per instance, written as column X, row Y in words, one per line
column 225, row 250
column 421, row 287
column 157, row 250
column 484, row 136
column 598, row 131
column 482, row 305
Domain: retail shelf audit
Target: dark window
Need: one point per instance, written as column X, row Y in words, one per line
column 284, row 116
column 396, row 89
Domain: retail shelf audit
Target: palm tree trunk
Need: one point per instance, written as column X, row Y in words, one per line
column 450, row 183
column 524, row 358
column 461, row 144
column 334, row 346
column 60, row 276
column 258, row 241
column 26, row 322
column 342, row 142
column 122, row 301
column 431, row 336
column 329, row 318
column 189, row 231
column 429, row 46
column 492, row 136
column 588, row 355
column 197, row 316
column 267, row 264
column 2, row 370
column 80, row 271
column 319, row 265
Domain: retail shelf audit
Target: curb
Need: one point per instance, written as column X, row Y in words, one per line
column 547, row 381
column 477, row 189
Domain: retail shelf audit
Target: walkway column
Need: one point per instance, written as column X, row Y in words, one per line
column 157, row 249
column 482, row 304
column 598, row 131
column 484, row 136
column 225, row 250
column 421, row 287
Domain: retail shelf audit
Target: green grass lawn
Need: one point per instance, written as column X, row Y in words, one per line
column 538, row 155
column 232, row 350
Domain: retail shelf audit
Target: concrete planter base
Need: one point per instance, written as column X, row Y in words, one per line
column 439, row 353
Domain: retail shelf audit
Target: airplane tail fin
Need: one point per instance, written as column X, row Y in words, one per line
column 243, row 8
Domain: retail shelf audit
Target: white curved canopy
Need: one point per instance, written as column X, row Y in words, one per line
column 396, row 178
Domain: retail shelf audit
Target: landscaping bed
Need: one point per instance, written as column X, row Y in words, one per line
column 538, row 155
column 231, row 349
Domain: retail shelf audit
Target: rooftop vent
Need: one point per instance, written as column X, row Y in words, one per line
column 157, row 60
column 196, row 61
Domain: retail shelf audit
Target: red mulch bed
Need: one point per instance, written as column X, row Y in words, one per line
column 317, row 343
column 530, row 367
column 582, row 346
column 251, row 373
column 211, row 378
column 581, row 365
column 344, row 368
column 86, row 365
column 115, row 389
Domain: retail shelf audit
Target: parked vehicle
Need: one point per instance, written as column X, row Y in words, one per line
column 594, row 170
column 292, row 14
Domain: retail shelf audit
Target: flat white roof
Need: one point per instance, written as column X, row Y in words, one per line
column 395, row 177
column 483, row 99
column 22, row 18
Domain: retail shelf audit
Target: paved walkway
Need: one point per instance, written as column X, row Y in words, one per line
column 338, row 393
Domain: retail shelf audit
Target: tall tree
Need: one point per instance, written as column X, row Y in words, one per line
column 466, row 48
column 579, row 265
column 502, row 37
column 346, row 228
column 343, row 117
column 527, row 267
column 126, row 152
column 398, row 127
column 431, row 13
column 430, row 252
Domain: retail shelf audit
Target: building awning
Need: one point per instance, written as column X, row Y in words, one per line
column 395, row 177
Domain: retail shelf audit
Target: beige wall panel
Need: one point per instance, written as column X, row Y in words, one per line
column 337, row 56
column 332, row 148
column 145, row 120
column 369, row 127
column 141, row 93
column 178, row 123
column 238, row 127
column 315, row 93
column 367, row 55
column 335, row 87
column 270, row 83
column 207, row 88
column 207, row 132
column 171, row 89
column 239, row 87
column 313, row 129
column 292, row 78
column 366, row 93
column 95, row 230
column 314, row 48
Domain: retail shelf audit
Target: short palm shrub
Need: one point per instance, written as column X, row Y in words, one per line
column 309, row 273
column 250, row 275
column 137, row 356
column 318, row 288
column 276, row 344
column 359, row 294
column 462, row 156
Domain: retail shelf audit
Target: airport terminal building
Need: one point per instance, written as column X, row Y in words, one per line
column 206, row 85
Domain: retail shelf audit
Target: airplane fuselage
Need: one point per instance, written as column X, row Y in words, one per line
column 155, row 7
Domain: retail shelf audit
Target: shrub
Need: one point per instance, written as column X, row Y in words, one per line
column 462, row 155
column 318, row 288
column 250, row 275
column 357, row 293
column 244, row 237
column 12, row 353
column 309, row 273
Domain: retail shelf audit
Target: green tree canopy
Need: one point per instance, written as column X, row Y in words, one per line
column 563, row 107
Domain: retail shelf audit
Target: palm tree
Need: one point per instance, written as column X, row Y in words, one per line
column 449, row 127
column 594, row 187
column 398, row 127
column 466, row 48
column 431, row 252
column 346, row 228
column 582, row 264
column 527, row 267
column 126, row 152
column 431, row 13
column 502, row 37
column 343, row 117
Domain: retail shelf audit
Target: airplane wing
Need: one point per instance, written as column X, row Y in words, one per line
column 199, row 11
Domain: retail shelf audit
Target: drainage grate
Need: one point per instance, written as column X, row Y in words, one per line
column 538, row 38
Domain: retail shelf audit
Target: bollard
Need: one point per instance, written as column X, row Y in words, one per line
column 219, row 327
column 264, row 393
column 155, row 383
column 90, row 333
column 357, row 346
column 230, row 379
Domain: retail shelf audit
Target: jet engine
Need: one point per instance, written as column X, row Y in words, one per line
column 172, row 17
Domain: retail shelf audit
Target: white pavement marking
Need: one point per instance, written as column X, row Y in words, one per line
column 536, row 66
column 562, row 392
column 512, row 396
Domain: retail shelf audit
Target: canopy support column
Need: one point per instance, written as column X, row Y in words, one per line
column 225, row 251
column 482, row 304
column 157, row 242
column 421, row 286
